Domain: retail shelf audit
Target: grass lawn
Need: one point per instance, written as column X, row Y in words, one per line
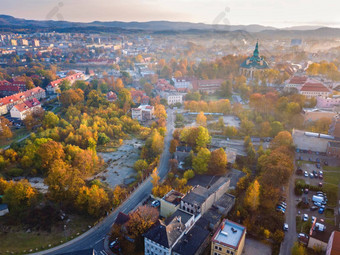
column 329, row 213
column 332, row 194
column 18, row 241
column 332, row 177
column 17, row 134
column 302, row 162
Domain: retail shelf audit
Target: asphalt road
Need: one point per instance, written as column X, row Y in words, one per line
column 94, row 238
column 290, row 235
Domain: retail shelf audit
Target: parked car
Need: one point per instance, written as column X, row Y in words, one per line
column 302, row 235
column 314, row 208
column 321, row 210
column 306, row 191
column 155, row 203
column 311, row 175
column 321, row 172
column 305, row 217
column 320, row 176
column 306, row 174
column 317, row 204
column 318, row 160
column 285, row 227
column 318, row 165
column 320, row 184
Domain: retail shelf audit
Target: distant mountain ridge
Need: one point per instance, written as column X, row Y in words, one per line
column 12, row 24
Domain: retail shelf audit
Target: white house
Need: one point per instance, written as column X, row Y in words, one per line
column 21, row 110
column 182, row 82
column 174, row 98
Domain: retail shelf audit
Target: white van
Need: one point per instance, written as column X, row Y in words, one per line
column 317, row 199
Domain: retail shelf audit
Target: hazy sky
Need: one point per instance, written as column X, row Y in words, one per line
column 278, row 13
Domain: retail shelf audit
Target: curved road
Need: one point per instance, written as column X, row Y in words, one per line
column 94, row 238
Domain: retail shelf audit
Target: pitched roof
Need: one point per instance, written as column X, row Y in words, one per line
column 335, row 249
column 9, row 88
column 20, row 96
column 166, row 235
column 318, row 87
column 24, row 106
column 298, row 80
column 122, row 218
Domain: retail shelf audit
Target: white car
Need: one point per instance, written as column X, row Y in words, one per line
column 306, row 174
column 285, row 227
column 305, row 217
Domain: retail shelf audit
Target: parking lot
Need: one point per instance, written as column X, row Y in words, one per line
column 314, row 170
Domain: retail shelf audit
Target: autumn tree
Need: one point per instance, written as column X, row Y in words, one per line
column 189, row 174
column 19, row 195
column 119, row 195
column 71, row 97
column 298, row 249
column 218, row 162
column 94, row 200
column 5, row 128
column 283, row 138
column 201, row 161
column 201, row 120
column 173, row 145
column 160, row 111
column 141, row 220
column 49, row 152
column 252, row 198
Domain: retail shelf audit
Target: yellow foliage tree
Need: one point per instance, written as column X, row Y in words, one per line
column 201, row 120
column 252, row 198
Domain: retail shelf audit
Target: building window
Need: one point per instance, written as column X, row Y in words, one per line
column 216, row 247
column 228, row 251
column 232, row 253
column 220, row 248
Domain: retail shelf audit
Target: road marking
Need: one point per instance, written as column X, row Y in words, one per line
column 103, row 252
column 99, row 240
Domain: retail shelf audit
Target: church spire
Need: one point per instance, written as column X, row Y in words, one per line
column 256, row 51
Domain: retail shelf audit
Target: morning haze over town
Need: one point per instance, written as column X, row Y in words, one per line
column 183, row 127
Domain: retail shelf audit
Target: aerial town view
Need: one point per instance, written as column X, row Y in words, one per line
column 184, row 127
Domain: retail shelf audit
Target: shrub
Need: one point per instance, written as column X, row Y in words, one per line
column 15, row 172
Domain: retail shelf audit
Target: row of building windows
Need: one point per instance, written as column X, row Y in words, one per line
column 220, row 249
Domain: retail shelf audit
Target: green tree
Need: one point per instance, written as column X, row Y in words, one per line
column 189, row 174
column 203, row 137
column 201, row 161
column 140, row 165
column 50, row 120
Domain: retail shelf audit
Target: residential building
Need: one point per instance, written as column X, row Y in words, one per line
column 163, row 236
column 333, row 246
column 24, row 42
column 333, row 149
column 20, row 111
column 174, row 98
column 315, row 89
column 183, row 82
column 199, row 199
column 139, row 97
column 253, row 64
column 327, row 102
column 53, row 87
column 170, row 203
column 207, row 86
column 36, row 43
column 111, row 96
column 13, row 42
column 229, row 239
column 295, row 83
column 143, row 113
column 6, row 103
